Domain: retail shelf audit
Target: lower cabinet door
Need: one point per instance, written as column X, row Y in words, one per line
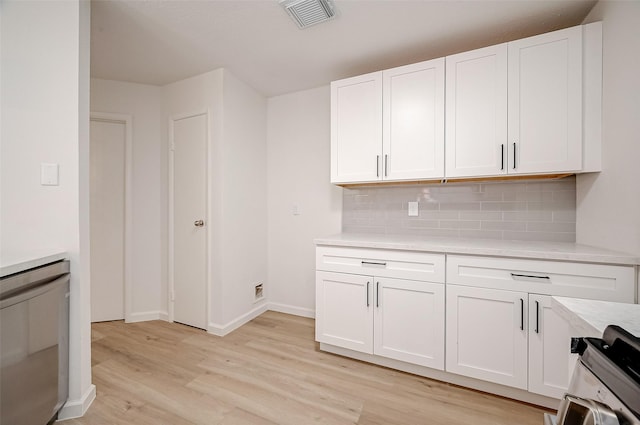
column 344, row 310
column 487, row 334
column 550, row 360
column 409, row 321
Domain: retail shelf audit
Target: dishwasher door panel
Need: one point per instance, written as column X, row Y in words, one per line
column 34, row 332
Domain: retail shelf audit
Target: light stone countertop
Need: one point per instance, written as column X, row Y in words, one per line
column 562, row 251
column 591, row 317
column 16, row 262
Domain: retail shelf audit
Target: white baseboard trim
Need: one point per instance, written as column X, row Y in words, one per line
column 291, row 309
column 222, row 330
column 145, row 316
column 77, row 408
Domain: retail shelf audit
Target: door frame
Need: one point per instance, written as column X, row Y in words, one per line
column 127, row 120
column 171, row 253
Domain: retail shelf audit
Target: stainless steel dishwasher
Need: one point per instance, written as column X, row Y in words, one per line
column 34, row 344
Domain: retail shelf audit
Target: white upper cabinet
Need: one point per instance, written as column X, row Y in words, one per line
column 530, row 106
column 545, row 103
column 477, row 112
column 413, row 121
column 389, row 125
column 516, row 108
column 356, row 128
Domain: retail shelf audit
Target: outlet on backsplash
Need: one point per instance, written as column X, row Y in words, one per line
column 412, row 208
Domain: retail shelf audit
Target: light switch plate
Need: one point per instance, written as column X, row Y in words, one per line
column 49, row 174
column 413, row 209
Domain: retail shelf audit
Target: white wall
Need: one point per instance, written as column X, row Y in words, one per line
column 298, row 135
column 143, row 103
column 45, row 119
column 244, row 202
column 608, row 203
column 237, row 187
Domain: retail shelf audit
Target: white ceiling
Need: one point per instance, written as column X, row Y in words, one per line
column 162, row 41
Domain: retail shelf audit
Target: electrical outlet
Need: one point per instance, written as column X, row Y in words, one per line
column 413, row 209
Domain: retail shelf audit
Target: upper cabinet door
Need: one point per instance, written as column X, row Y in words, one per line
column 413, row 121
column 476, row 119
column 356, row 129
column 545, row 103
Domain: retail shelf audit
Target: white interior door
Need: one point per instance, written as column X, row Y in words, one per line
column 107, row 219
column 189, row 141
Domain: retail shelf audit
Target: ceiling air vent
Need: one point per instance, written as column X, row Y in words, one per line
column 309, row 12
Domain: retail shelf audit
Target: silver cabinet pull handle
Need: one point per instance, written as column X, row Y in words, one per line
column 517, row 275
column 386, row 161
column 502, row 156
column 537, row 317
column 198, row 223
column 378, row 294
column 367, row 294
column 377, row 165
column 514, row 155
column 521, row 314
column 373, row 263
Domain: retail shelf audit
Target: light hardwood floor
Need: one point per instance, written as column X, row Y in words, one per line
column 267, row 372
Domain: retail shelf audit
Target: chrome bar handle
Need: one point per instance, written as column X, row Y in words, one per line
column 521, row 314
column 368, row 294
column 502, row 156
column 514, row 155
column 373, row 263
column 515, row 276
column 537, row 329
column 377, row 165
column 386, row 161
column 378, row 294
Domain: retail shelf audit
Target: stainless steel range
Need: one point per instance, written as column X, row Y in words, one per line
column 605, row 386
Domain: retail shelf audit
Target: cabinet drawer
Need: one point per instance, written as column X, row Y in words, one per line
column 583, row 280
column 383, row 263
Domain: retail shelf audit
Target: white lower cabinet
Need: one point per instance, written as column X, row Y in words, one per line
column 513, row 337
column 486, row 334
column 395, row 318
column 409, row 321
column 500, row 326
column 550, row 361
column 344, row 316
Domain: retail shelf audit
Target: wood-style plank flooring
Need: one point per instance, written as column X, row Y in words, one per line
column 269, row 371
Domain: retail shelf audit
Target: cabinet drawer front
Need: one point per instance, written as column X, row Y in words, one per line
column 396, row 264
column 583, row 280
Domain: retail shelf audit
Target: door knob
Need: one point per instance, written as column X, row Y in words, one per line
column 198, row 223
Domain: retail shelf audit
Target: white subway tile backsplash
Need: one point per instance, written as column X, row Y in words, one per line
column 524, row 210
